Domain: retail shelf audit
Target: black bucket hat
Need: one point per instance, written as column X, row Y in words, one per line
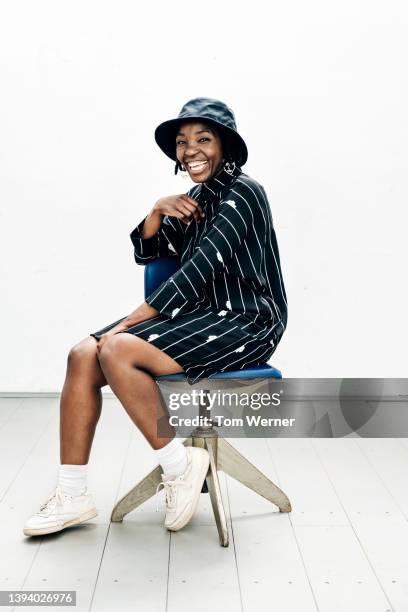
column 213, row 112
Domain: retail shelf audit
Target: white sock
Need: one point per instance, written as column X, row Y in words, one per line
column 173, row 457
column 72, row 478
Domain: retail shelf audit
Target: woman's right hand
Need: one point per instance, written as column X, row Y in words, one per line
column 181, row 206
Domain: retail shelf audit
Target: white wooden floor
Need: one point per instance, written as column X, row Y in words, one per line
column 344, row 547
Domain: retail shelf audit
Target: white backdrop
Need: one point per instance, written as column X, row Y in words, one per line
column 319, row 90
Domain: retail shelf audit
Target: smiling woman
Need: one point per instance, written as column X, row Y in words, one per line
column 224, row 309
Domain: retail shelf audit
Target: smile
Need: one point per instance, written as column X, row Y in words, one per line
column 197, row 166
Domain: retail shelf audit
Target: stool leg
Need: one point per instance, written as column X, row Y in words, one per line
column 214, row 489
column 237, row 466
column 144, row 490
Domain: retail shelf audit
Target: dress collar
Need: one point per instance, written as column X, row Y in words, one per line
column 212, row 188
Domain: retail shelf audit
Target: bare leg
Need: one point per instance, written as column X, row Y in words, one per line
column 127, row 362
column 81, row 402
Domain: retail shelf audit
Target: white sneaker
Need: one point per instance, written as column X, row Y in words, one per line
column 183, row 492
column 59, row 511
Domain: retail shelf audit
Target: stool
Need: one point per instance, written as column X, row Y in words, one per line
column 223, row 456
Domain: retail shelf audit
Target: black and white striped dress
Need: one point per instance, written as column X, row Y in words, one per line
column 226, row 307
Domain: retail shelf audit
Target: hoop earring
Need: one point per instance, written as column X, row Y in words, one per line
column 229, row 167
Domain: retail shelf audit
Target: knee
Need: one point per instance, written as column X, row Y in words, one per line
column 86, row 349
column 118, row 347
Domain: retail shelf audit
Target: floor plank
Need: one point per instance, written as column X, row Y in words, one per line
column 390, row 461
column 271, row 571
column 31, row 485
column 371, row 510
column 134, row 568
column 386, row 545
column 302, row 477
column 196, row 558
column 203, row 575
column 20, row 434
column 324, row 530
column 339, row 572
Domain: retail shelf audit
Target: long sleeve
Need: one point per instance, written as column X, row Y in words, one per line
column 238, row 213
column 167, row 241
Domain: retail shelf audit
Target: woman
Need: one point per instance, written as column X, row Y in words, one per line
column 224, row 309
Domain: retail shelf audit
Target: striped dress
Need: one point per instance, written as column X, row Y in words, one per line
column 226, row 307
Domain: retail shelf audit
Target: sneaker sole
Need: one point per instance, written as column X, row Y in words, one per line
column 44, row 530
column 202, row 474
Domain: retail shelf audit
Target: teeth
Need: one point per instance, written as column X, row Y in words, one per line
column 196, row 164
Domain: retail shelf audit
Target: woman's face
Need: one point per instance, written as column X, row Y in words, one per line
column 198, row 149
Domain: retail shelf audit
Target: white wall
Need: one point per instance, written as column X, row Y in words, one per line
column 319, row 90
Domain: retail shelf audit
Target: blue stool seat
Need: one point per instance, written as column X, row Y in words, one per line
column 260, row 371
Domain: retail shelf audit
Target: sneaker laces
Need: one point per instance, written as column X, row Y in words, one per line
column 56, row 499
column 171, row 488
